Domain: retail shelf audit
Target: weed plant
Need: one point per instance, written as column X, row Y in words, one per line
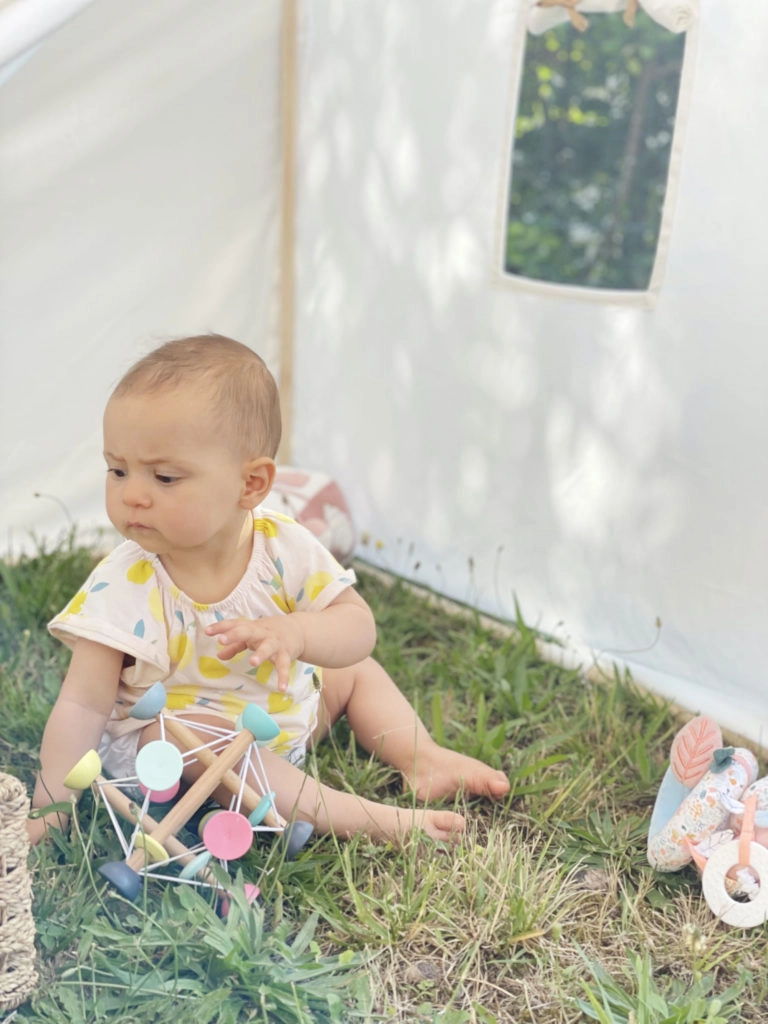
column 545, row 912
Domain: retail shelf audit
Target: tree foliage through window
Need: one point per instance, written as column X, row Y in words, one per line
column 593, row 139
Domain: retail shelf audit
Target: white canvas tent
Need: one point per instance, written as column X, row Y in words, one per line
column 595, row 456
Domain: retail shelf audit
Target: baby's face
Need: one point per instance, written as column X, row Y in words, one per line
column 173, row 484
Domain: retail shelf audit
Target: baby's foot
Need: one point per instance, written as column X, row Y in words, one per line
column 347, row 814
column 440, row 773
column 444, row 826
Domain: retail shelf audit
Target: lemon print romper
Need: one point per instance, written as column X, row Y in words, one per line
column 131, row 604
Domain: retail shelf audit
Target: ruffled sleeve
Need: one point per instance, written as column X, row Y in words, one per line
column 120, row 606
column 304, row 575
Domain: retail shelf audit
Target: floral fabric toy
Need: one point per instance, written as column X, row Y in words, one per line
column 712, row 810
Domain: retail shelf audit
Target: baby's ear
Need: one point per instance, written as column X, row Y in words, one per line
column 258, row 476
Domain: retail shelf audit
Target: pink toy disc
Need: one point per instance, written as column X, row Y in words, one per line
column 161, row 796
column 251, row 893
column 228, row 835
column 159, row 765
column 205, row 819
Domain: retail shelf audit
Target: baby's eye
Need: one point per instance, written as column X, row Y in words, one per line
column 119, row 473
column 163, row 478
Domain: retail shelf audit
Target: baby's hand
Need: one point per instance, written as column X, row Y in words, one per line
column 276, row 638
column 35, row 830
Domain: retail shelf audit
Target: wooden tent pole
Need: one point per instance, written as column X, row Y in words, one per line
column 288, row 121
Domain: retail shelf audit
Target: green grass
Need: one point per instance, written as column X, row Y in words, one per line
column 545, row 912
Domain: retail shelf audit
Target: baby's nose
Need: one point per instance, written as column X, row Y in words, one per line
column 135, row 492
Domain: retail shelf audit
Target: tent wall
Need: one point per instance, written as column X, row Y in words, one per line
column 139, row 199
column 600, row 464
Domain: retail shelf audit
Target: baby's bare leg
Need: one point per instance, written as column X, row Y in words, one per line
column 385, row 724
column 346, row 814
column 329, row 810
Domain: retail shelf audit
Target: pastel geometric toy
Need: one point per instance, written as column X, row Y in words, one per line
column 121, row 877
column 228, row 835
column 87, row 769
column 159, row 765
column 154, row 851
column 262, row 809
column 196, row 864
column 161, row 796
column 231, row 764
column 150, row 704
column 295, row 836
column 257, row 721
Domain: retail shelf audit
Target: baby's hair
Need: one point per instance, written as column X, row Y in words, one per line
column 243, row 390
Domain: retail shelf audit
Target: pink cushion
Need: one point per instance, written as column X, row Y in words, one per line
column 315, row 500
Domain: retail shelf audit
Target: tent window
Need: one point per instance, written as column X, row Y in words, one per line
column 590, row 159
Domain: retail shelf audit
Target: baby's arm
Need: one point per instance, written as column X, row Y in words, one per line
column 75, row 724
column 341, row 634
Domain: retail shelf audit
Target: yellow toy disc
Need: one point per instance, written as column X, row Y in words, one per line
column 86, row 771
column 154, row 851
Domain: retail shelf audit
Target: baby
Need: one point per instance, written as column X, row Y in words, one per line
column 227, row 604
